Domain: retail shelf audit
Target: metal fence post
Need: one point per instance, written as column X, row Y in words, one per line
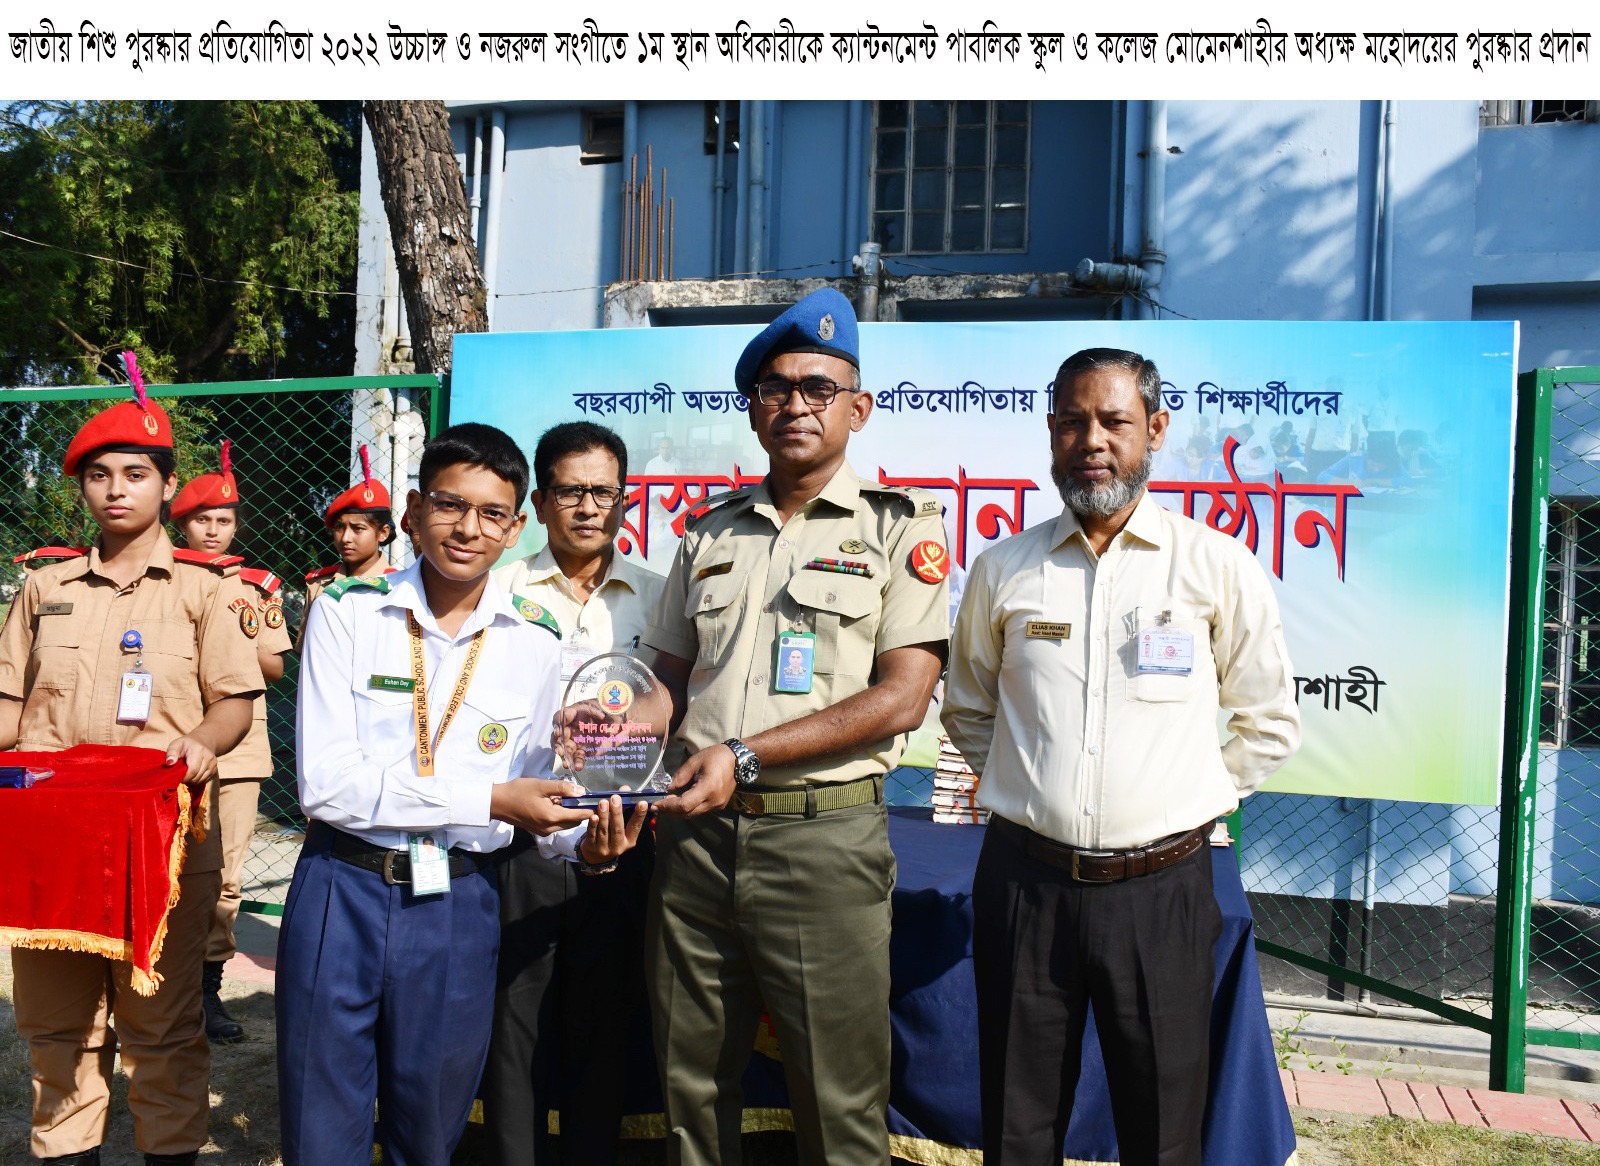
column 1508, row 1033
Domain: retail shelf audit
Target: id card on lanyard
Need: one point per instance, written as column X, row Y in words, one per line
column 430, row 863
column 137, row 690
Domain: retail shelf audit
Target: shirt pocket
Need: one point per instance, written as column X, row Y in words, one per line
column 1176, row 687
column 714, row 605
column 495, row 725
column 57, row 644
column 383, row 720
column 169, row 656
column 843, row 611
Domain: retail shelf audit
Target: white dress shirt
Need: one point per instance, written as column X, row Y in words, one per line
column 356, row 744
column 1069, row 738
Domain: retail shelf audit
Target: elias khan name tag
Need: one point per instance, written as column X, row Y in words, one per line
column 1041, row 630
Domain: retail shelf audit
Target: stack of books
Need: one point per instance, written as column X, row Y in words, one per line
column 955, row 789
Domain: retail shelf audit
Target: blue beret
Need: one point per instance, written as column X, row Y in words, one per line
column 822, row 322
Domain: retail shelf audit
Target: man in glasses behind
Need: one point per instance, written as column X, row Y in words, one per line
column 569, row 938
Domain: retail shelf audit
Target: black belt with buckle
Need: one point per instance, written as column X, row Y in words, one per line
column 1102, row 866
column 393, row 865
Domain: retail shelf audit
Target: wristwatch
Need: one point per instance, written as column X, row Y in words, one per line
column 746, row 765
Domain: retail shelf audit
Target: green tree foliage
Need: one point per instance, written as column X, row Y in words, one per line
column 223, row 230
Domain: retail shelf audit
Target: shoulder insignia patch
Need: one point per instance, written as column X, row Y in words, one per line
column 247, row 617
column 536, row 614
column 338, row 587
column 272, row 613
column 48, row 554
column 322, row 573
column 262, row 579
column 930, row 561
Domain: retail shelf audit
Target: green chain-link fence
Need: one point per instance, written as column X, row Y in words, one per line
column 294, row 448
column 1489, row 917
column 1561, row 804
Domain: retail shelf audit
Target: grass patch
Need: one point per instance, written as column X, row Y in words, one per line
column 1393, row 1141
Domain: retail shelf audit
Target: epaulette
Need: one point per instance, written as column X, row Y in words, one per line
column 696, row 513
column 44, row 554
column 536, row 614
column 322, row 573
column 922, row 502
column 260, row 577
column 351, row 582
column 201, row 559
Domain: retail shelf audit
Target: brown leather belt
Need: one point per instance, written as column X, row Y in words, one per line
column 1102, row 866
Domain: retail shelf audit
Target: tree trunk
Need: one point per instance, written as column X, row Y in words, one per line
column 429, row 223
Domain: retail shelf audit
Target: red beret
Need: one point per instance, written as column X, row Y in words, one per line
column 365, row 495
column 139, row 424
column 209, row 490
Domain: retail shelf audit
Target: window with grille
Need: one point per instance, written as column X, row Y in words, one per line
column 1531, row 113
column 950, row 176
column 1569, row 713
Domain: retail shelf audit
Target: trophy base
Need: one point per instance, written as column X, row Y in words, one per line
column 630, row 797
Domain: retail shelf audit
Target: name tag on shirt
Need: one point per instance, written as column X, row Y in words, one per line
column 55, row 609
column 392, row 683
column 1039, row 629
column 133, row 700
column 1166, row 649
column 430, row 865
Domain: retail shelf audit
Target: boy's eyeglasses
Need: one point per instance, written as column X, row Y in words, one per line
column 447, row 508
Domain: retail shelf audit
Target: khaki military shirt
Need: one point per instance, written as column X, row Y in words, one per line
column 252, row 757
column 740, row 578
column 61, row 654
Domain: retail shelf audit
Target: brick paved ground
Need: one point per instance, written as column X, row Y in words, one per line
column 1484, row 1108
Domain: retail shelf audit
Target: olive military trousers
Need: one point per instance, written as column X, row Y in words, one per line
column 791, row 915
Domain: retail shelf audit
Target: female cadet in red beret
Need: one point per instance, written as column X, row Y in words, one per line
column 129, row 602
column 206, row 512
column 362, row 524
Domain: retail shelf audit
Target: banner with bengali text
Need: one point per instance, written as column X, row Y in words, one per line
column 1367, row 465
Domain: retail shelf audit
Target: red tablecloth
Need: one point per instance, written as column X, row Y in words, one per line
column 90, row 858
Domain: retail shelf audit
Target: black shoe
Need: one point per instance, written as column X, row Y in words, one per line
column 221, row 1029
column 172, row 1159
column 81, row 1158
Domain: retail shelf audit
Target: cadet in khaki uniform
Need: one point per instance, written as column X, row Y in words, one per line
column 362, row 524
column 773, row 866
column 75, row 628
column 207, row 512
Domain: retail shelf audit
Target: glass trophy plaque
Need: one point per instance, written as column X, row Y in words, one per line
column 611, row 730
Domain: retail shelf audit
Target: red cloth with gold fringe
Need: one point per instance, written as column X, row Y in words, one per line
column 90, row 857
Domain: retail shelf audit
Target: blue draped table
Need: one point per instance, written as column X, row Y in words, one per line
column 933, row 1098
